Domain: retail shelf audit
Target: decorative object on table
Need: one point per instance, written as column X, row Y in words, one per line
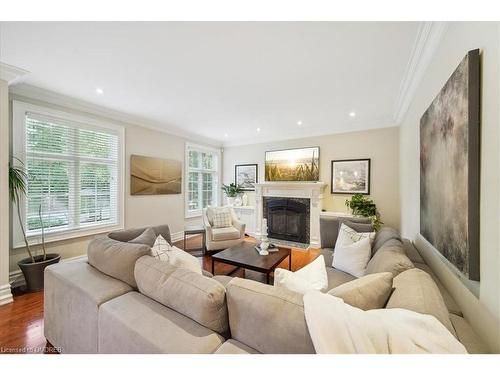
column 154, row 176
column 350, row 176
column 449, row 168
column 264, row 241
column 244, row 199
column 246, row 175
column 232, row 190
column 238, row 202
column 363, row 206
column 300, row 164
column 32, row 267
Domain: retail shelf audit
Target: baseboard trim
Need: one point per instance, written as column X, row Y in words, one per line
column 5, row 294
column 16, row 278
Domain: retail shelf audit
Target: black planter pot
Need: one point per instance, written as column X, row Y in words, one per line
column 33, row 272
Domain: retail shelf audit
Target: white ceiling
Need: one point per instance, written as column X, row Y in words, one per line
column 218, row 78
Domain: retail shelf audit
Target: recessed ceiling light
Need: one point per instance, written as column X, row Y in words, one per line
column 99, row 91
column 226, row 135
column 299, row 123
column 258, row 129
column 352, row 114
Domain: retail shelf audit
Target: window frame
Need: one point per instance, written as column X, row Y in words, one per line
column 217, row 172
column 19, row 110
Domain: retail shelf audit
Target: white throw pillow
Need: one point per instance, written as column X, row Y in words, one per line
column 352, row 251
column 311, row 277
column 222, row 218
column 162, row 250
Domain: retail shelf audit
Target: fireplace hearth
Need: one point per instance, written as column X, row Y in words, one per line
column 287, row 218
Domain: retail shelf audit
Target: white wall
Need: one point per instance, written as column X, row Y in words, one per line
column 381, row 145
column 458, row 39
column 139, row 210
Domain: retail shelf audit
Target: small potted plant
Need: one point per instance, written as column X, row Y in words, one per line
column 362, row 206
column 33, row 266
column 232, row 190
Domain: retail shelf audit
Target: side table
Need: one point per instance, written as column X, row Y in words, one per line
column 195, row 229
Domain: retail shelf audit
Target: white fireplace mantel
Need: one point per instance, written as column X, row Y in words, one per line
column 310, row 190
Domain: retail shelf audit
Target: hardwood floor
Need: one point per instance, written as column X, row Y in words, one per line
column 21, row 322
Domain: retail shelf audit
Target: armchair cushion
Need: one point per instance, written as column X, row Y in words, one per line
column 223, row 234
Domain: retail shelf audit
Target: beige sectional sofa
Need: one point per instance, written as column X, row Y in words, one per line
column 91, row 307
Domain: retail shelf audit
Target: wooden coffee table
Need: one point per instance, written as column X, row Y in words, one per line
column 245, row 256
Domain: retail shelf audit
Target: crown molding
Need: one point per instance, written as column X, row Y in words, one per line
column 11, row 74
column 428, row 39
column 66, row 102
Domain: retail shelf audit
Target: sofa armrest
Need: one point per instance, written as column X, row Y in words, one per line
column 208, row 228
column 240, row 226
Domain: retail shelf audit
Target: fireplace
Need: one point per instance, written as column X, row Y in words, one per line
column 287, row 218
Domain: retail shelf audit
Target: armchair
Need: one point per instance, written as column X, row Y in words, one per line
column 222, row 238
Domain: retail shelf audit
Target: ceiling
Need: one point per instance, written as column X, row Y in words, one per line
column 223, row 80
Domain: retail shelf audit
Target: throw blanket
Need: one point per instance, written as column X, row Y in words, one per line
column 338, row 328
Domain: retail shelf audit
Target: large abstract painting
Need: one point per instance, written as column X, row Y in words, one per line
column 152, row 176
column 449, row 168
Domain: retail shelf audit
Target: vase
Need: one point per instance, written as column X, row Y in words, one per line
column 238, row 202
column 230, row 201
column 244, row 199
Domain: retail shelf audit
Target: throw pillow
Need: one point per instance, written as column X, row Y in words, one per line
column 352, row 251
column 222, row 218
column 311, row 277
column 182, row 259
column 160, row 248
column 366, row 293
column 389, row 258
column 148, row 237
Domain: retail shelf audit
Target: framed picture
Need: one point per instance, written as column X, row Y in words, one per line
column 351, row 176
column 449, row 168
column 153, row 176
column 246, row 175
column 297, row 164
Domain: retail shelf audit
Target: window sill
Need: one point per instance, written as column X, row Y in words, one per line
column 192, row 215
column 68, row 235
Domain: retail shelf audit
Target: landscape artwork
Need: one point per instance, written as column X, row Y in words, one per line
column 449, row 169
column 153, row 176
column 301, row 164
column 350, row 176
column 245, row 175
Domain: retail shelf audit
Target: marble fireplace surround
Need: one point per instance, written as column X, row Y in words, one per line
column 310, row 190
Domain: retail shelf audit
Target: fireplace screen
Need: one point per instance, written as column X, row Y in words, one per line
column 287, row 218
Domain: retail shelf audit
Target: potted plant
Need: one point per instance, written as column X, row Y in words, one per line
column 362, row 206
column 33, row 266
column 232, row 190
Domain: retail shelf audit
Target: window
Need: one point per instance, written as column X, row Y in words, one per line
column 74, row 173
column 202, row 182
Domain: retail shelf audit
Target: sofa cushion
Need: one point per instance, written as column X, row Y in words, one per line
column 267, row 318
column 382, row 236
column 329, row 228
column 129, row 234
column 411, row 251
column 115, row 258
column 148, row 237
column 134, row 323
column 72, row 295
column 223, row 234
column 201, row 298
column 366, row 293
column 450, row 303
column 389, row 258
column 415, row 290
column 235, row 347
column 467, row 336
column 336, row 278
